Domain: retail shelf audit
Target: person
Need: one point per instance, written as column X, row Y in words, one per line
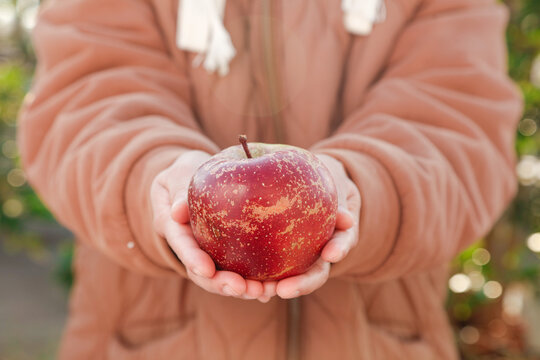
column 407, row 103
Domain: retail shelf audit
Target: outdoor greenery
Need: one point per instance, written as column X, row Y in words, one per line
column 496, row 282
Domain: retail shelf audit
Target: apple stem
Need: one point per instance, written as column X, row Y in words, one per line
column 243, row 141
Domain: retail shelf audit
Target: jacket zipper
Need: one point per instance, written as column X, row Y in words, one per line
column 293, row 305
column 293, row 329
column 271, row 71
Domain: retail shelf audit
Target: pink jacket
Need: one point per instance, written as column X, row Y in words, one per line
column 419, row 111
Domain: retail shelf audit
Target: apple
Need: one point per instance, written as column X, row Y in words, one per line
column 264, row 211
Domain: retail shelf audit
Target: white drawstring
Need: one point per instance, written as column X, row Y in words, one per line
column 220, row 49
column 360, row 15
column 200, row 28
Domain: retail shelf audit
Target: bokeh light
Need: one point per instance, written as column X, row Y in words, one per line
column 29, row 17
column 533, row 242
column 9, row 149
column 493, row 289
column 481, row 256
column 528, row 170
column 459, row 283
column 7, row 18
column 469, row 335
column 477, row 280
column 513, row 301
column 527, row 127
column 16, row 177
column 12, row 208
column 469, row 266
column 535, row 71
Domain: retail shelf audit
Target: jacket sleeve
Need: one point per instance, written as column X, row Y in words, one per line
column 108, row 110
column 431, row 148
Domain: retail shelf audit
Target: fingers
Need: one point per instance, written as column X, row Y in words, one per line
column 181, row 241
column 269, row 291
column 305, row 283
column 344, row 237
column 160, row 206
column 201, row 268
column 180, row 174
column 339, row 245
column 254, row 289
column 180, row 211
column 344, row 219
column 179, row 236
column 264, row 299
column 171, row 220
column 169, row 201
column 224, row 283
column 270, row 288
column 175, row 180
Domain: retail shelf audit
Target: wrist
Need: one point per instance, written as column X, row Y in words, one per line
column 138, row 206
column 335, row 166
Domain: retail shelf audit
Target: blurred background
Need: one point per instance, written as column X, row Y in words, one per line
column 494, row 290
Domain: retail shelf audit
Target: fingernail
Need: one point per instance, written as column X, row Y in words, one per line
column 229, row 291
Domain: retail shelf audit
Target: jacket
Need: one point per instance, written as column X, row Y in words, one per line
column 420, row 112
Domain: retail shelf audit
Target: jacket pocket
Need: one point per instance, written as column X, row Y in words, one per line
column 390, row 308
column 158, row 340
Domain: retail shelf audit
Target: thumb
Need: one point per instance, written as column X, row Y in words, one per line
column 344, row 219
column 180, row 210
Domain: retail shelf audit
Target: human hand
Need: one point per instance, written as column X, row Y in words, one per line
column 343, row 240
column 171, row 220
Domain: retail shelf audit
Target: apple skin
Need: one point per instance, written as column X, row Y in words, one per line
column 266, row 217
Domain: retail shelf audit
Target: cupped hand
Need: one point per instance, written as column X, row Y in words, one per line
column 171, row 220
column 343, row 240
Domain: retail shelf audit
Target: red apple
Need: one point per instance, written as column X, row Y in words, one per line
column 264, row 211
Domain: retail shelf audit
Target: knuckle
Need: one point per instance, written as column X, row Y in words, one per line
column 193, row 277
column 161, row 178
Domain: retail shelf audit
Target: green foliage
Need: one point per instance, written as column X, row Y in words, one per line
column 62, row 272
column 19, row 205
column 523, row 37
column 18, row 200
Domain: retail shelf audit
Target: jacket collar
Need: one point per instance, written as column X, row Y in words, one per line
column 200, row 28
